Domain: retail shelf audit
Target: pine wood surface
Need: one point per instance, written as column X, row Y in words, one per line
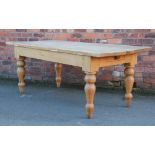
column 81, row 48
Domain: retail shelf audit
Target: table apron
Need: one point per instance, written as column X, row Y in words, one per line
column 57, row 57
column 114, row 60
column 88, row 63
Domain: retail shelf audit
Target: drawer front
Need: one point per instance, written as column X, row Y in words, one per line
column 115, row 60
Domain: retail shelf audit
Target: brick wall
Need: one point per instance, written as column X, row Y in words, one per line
column 41, row 70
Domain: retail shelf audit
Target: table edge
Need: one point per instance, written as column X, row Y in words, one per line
column 145, row 49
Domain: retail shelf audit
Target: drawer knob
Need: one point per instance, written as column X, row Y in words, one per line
column 116, row 57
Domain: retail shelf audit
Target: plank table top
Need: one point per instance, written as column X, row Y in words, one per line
column 81, row 48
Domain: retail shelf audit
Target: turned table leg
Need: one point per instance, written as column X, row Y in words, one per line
column 58, row 69
column 90, row 90
column 129, row 81
column 21, row 73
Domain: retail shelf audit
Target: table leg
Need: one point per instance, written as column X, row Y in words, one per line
column 58, row 69
column 21, row 73
column 90, row 90
column 129, row 81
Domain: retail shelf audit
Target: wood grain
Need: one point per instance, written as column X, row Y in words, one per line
column 90, row 90
column 129, row 81
column 81, row 48
column 58, row 70
column 21, row 73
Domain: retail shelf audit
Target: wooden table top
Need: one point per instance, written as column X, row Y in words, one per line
column 81, row 48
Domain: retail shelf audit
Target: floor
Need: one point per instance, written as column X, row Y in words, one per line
column 44, row 105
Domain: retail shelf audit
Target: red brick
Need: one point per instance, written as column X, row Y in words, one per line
column 105, row 35
column 148, row 41
column 90, row 31
column 152, row 75
column 73, row 39
column 22, row 39
column 107, row 77
column 119, row 68
column 115, row 41
column 6, row 62
column 64, row 30
column 136, row 35
column 33, row 30
column 149, row 81
column 79, row 30
column 3, row 33
column 144, row 53
column 12, row 39
column 144, row 64
column 107, row 30
column 26, row 34
column 99, row 30
column 116, row 81
column 86, row 40
column 151, row 53
column 152, row 64
column 146, row 85
column 139, row 84
column 133, row 41
column 38, row 35
column 33, row 39
column 21, row 30
column 9, row 48
column 146, row 75
column 2, row 44
column 49, row 36
column 139, row 69
column 90, row 35
column 120, row 35
column 43, row 30
column 61, row 36
column 116, row 30
column 153, row 47
column 149, row 69
column 4, row 68
column 70, row 30
column 15, row 34
column 139, row 30
column 139, row 74
column 140, row 79
column 55, row 30
column 150, row 35
column 1, row 48
column 149, row 58
column 7, row 30
column 76, row 35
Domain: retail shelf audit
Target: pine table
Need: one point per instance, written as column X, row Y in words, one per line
column 89, row 56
